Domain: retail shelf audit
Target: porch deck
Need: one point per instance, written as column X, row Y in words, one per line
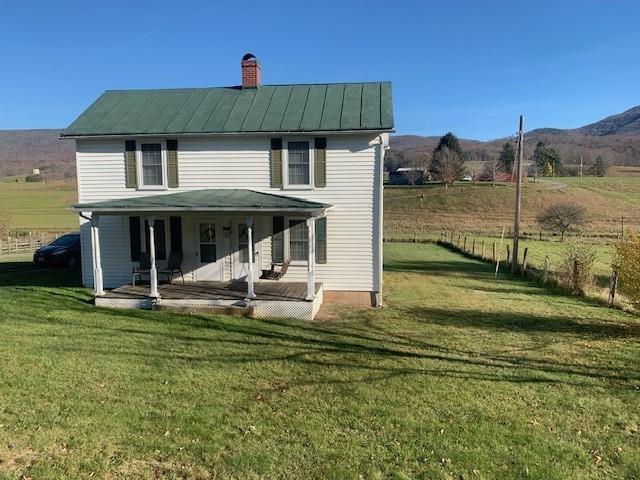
column 273, row 299
column 282, row 291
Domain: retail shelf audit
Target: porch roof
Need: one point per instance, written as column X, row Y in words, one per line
column 210, row 200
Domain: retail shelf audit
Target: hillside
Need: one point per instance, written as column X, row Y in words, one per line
column 625, row 123
column 23, row 150
column 482, row 208
column 616, row 138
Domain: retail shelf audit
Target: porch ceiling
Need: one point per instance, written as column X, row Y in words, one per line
column 210, row 200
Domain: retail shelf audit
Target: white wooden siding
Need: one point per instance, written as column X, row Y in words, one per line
column 240, row 162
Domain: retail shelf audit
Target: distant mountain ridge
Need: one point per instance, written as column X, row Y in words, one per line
column 23, row 150
column 616, row 138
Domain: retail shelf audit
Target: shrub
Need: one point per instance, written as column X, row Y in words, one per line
column 33, row 178
column 576, row 271
column 627, row 264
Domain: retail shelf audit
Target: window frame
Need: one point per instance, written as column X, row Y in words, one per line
column 287, row 240
column 163, row 156
column 285, row 164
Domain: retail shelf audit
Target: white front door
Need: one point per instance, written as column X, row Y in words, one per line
column 240, row 251
column 209, row 250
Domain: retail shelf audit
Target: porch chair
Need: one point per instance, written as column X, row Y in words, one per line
column 174, row 265
column 274, row 274
column 143, row 268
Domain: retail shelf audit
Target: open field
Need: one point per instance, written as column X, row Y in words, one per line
column 485, row 209
column 461, row 376
column 38, row 207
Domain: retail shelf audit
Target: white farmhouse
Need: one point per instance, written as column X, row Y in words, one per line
column 261, row 198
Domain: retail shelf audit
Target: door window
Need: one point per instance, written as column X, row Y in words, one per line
column 243, row 243
column 208, row 243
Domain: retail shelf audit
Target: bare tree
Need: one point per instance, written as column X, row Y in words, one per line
column 417, row 164
column 562, row 216
column 447, row 166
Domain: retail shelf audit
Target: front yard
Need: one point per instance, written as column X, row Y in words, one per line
column 461, row 376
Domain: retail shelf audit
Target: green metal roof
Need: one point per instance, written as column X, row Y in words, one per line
column 235, row 200
column 267, row 108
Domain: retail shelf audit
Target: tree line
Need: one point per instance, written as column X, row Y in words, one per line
column 449, row 163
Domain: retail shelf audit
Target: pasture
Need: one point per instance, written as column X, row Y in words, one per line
column 460, row 376
column 486, row 209
column 38, row 207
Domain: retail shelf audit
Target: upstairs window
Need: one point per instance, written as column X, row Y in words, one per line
column 298, row 164
column 151, row 164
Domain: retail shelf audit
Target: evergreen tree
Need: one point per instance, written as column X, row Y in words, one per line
column 507, row 158
column 600, row 167
column 543, row 156
column 450, row 141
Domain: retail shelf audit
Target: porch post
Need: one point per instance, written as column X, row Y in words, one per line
column 97, row 264
column 153, row 272
column 311, row 261
column 250, row 292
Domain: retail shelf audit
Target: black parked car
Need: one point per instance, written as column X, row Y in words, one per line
column 64, row 251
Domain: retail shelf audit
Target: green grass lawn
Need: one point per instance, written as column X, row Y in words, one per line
column 554, row 249
column 461, row 376
column 38, row 206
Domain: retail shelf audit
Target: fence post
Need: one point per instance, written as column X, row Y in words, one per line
column 540, row 235
column 613, row 286
column 483, row 249
column 465, row 244
column 458, row 244
column 415, row 235
column 524, row 261
column 451, row 238
column 493, row 256
column 545, row 275
column 508, row 255
column 473, row 247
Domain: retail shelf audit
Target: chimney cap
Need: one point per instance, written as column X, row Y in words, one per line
column 248, row 57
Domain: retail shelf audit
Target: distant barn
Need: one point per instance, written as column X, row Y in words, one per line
column 408, row 176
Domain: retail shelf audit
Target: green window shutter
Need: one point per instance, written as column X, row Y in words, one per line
column 321, row 163
column 134, row 238
column 175, row 233
column 276, row 162
column 321, row 240
column 277, row 240
column 172, row 163
column 130, row 171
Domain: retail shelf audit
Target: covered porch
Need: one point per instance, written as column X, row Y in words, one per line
column 223, row 234
column 272, row 299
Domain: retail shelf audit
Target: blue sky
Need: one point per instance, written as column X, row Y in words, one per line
column 470, row 67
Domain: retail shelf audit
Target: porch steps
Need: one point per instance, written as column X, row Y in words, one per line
column 233, row 310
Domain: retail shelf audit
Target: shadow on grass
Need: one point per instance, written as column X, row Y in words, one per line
column 362, row 351
column 14, row 274
column 364, row 348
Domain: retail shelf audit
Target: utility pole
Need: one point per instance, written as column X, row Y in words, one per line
column 516, row 223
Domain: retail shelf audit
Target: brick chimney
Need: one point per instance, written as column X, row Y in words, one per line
column 251, row 72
